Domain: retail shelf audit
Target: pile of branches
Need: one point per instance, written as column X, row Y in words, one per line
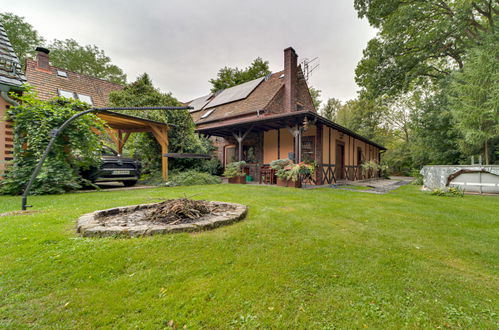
column 181, row 210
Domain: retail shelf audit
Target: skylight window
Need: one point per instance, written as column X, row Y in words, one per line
column 62, row 73
column 69, row 95
column 207, row 114
column 85, row 98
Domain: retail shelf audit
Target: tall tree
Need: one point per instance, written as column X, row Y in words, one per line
column 23, row 37
column 228, row 77
column 419, row 41
column 474, row 100
column 316, row 97
column 142, row 93
column 331, row 108
column 89, row 59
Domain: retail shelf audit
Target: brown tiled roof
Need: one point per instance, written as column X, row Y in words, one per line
column 47, row 83
column 257, row 100
column 10, row 68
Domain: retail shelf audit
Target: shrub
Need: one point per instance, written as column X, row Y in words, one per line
column 280, row 166
column 451, row 192
column 190, row 178
column 77, row 148
column 418, row 177
column 234, row 169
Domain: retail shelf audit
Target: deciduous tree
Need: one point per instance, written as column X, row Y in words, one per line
column 228, row 77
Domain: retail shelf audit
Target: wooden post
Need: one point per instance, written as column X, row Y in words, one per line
column 161, row 135
column 240, row 137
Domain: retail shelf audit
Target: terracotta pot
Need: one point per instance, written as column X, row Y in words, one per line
column 238, row 180
column 282, row 182
column 288, row 183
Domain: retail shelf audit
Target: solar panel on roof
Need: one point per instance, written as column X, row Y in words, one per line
column 235, row 93
column 200, row 102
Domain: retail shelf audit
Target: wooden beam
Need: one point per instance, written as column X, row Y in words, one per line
column 161, row 135
column 239, row 138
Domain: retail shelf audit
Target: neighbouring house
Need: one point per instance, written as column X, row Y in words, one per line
column 49, row 81
column 273, row 118
column 11, row 80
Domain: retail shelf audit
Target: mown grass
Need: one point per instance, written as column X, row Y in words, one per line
column 320, row 258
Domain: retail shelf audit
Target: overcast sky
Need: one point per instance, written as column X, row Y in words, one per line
column 182, row 43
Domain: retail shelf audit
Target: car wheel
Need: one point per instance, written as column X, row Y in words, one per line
column 130, row 183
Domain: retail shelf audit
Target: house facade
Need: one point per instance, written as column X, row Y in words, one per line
column 273, row 118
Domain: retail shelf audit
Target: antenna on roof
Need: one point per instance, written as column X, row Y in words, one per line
column 309, row 66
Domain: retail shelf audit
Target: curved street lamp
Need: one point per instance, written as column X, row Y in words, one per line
column 55, row 133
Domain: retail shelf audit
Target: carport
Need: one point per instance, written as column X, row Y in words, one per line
column 121, row 126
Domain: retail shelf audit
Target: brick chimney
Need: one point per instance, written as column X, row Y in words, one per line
column 290, row 79
column 42, row 58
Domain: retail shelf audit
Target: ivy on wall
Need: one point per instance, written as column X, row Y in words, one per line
column 77, row 148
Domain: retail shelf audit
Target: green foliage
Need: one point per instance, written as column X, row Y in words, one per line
column 450, row 192
column 142, row 93
column 418, row 41
column 234, row 169
column 77, row 148
column 287, row 170
column 23, row 37
column 280, row 166
column 418, row 177
column 331, row 108
column 190, row 178
column 229, row 77
column 89, row 59
column 316, row 97
column 474, row 98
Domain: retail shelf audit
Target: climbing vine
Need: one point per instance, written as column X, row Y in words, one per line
column 77, row 148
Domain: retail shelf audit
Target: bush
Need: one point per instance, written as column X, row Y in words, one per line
column 190, row 178
column 234, row 169
column 77, row 148
column 418, row 177
column 451, row 192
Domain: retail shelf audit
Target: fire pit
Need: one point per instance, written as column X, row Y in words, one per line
column 170, row 216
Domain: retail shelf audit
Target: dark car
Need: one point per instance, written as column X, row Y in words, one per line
column 114, row 167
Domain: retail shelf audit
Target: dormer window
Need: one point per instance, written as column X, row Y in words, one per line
column 85, row 98
column 61, row 73
column 66, row 94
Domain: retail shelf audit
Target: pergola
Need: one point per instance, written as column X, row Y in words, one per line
column 121, row 126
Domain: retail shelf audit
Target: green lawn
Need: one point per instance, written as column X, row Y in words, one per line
column 320, row 258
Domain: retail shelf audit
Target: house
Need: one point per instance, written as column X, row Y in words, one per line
column 49, row 81
column 274, row 117
column 11, row 80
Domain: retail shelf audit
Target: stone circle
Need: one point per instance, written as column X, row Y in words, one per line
column 131, row 221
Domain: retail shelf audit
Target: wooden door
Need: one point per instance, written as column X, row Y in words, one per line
column 340, row 161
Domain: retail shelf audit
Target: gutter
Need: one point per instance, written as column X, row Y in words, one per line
column 6, row 97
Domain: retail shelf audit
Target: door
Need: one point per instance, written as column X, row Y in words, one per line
column 340, row 161
column 229, row 154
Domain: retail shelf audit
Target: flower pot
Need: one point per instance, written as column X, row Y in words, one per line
column 288, row 183
column 281, row 182
column 238, row 180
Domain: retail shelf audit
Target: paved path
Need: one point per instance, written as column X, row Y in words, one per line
column 379, row 186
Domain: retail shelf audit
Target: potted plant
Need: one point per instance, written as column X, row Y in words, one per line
column 281, row 166
column 234, row 172
column 289, row 174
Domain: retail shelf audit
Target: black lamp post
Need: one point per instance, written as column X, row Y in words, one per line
column 55, row 133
